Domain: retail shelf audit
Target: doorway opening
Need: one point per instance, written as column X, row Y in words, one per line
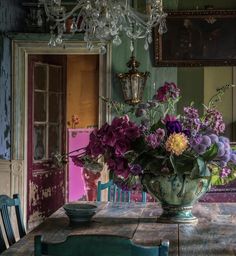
column 86, row 76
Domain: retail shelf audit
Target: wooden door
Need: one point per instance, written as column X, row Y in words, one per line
column 46, row 135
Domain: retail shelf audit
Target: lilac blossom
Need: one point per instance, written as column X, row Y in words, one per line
column 225, row 172
column 190, row 120
column 214, row 121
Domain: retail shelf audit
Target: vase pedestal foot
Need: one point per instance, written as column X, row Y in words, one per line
column 177, row 214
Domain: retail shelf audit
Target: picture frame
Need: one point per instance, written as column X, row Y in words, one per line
column 197, row 38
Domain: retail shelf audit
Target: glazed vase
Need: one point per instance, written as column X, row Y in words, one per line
column 176, row 194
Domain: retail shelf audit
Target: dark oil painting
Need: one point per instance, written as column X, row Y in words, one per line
column 197, row 39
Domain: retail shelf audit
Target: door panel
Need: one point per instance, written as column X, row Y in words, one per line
column 46, row 135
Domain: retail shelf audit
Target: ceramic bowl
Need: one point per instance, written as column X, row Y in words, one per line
column 78, row 213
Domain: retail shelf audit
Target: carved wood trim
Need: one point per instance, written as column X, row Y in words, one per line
column 22, row 46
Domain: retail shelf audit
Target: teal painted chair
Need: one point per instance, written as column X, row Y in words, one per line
column 115, row 194
column 5, row 204
column 97, row 245
column 2, row 242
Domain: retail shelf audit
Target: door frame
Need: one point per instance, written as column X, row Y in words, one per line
column 20, row 51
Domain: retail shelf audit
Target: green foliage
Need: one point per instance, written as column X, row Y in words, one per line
column 211, row 153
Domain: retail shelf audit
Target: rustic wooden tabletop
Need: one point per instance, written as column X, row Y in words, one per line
column 214, row 234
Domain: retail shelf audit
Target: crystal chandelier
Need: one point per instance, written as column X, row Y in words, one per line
column 104, row 20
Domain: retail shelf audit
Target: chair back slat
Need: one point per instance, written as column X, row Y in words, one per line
column 144, row 197
column 7, row 224
column 2, row 242
column 103, row 245
column 19, row 216
column 116, row 194
column 7, row 203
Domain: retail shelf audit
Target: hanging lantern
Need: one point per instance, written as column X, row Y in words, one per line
column 133, row 82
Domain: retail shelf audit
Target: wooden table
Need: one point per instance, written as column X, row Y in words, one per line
column 215, row 233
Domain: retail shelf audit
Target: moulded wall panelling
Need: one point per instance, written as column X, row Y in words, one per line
column 191, row 84
column 5, row 177
column 201, row 4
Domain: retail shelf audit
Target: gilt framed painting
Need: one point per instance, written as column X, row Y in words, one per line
column 197, row 38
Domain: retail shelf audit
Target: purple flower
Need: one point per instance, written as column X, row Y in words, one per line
column 160, row 133
column 173, row 126
column 214, row 121
column 220, row 145
column 166, row 92
column 136, row 169
column 153, row 140
column 132, row 132
column 206, row 140
column 222, row 163
column 187, row 132
column 225, row 172
column 224, row 139
column 233, row 158
column 96, row 149
column 109, row 138
column 225, row 157
column 220, row 152
column 119, row 166
column 121, row 147
column 214, row 138
column 200, row 148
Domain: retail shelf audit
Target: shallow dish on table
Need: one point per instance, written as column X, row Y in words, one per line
column 79, row 212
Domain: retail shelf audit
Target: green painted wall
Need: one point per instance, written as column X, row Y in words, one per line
column 191, row 83
column 159, row 75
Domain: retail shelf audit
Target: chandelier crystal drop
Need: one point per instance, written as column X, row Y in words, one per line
column 103, row 21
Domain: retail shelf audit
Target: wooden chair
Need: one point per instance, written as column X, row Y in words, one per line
column 97, row 245
column 2, row 242
column 116, row 194
column 5, row 203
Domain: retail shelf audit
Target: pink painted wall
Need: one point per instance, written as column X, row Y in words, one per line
column 77, row 138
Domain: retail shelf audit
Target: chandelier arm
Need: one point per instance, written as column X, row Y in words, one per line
column 67, row 15
column 137, row 15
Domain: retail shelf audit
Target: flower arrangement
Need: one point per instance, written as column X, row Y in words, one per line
column 152, row 138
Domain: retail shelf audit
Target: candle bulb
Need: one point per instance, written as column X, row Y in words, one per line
column 161, row 6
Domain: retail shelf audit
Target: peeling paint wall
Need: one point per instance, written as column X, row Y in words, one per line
column 5, row 99
column 44, row 187
column 11, row 15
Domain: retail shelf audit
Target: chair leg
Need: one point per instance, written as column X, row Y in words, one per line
column 37, row 246
column 2, row 242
